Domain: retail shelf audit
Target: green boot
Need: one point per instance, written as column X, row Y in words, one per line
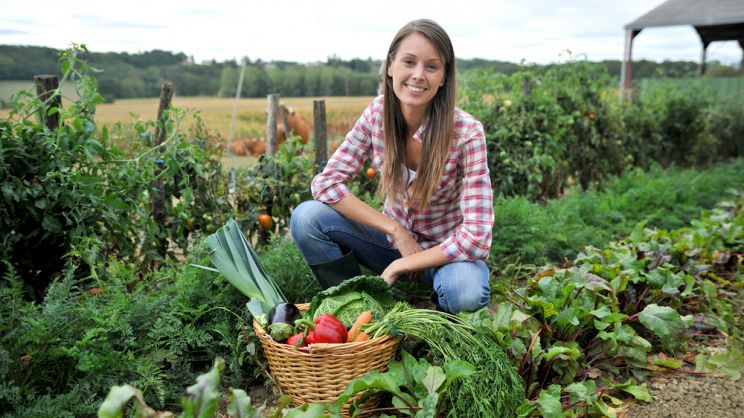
column 336, row 271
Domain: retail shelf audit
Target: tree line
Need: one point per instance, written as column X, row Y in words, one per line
column 126, row 75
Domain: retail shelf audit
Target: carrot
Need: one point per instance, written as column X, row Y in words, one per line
column 362, row 336
column 363, row 319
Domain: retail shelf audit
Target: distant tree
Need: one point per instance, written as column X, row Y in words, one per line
column 716, row 69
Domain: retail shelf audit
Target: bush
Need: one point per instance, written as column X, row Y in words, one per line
column 545, row 129
column 61, row 356
column 548, row 130
column 69, row 195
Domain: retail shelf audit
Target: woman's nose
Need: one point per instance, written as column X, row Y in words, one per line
column 418, row 72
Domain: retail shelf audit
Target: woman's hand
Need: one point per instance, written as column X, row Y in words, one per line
column 404, row 242
column 393, row 271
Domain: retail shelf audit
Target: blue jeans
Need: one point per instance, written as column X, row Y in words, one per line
column 324, row 235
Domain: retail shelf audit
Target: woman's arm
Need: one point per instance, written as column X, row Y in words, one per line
column 472, row 239
column 432, row 257
column 354, row 209
column 414, row 259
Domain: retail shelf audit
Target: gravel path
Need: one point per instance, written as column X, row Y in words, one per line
column 687, row 396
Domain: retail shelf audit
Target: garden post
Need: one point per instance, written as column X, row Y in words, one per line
column 272, row 108
column 46, row 86
column 285, row 121
column 159, row 211
column 321, row 136
column 526, row 86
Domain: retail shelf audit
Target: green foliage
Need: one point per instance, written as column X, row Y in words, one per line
column 417, row 387
column 603, row 313
column 495, row 390
column 549, row 129
column 140, row 75
column 70, row 196
column 275, row 186
column 284, row 262
column 729, row 363
column 152, row 333
column 542, row 129
column 664, row 124
column 536, row 234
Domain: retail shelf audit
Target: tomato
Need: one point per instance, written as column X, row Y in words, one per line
column 371, row 173
column 265, row 221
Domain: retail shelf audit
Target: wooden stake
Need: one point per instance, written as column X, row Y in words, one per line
column 321, row 136
column 272, row 109
column 46, row 85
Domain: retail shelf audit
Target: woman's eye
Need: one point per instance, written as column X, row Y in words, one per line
column 433, row 67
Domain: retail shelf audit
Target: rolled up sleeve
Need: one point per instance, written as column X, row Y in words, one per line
column 472, row 239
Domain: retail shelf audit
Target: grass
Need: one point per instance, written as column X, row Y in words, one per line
column 341, row 112
column 537, row 234
column 216, row 112
column 9, row 87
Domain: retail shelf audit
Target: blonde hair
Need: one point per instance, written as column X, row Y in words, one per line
column 439, row 130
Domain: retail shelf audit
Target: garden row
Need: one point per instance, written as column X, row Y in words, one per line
column 89, row 301
column 582, row 336
column 71, row 196
column 566, row 125
column 157, row 330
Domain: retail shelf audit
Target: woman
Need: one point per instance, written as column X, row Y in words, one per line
column 438, row 213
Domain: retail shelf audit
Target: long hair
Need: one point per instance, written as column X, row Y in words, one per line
column 439, row 130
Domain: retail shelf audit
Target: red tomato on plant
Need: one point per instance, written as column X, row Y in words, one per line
column 265, row 221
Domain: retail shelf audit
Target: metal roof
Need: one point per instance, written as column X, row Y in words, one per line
column 691, row 12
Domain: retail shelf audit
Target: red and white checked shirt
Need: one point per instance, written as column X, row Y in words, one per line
column 459, row 216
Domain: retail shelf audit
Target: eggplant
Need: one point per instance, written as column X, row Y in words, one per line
column 281, row 321
column 285, row 313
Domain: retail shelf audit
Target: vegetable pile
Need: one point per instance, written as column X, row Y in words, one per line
column 364, row 308
column 347, row 308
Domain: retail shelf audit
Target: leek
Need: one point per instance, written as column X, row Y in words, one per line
column 238, row 263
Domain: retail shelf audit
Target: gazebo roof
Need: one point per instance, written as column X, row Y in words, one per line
column 692, row 12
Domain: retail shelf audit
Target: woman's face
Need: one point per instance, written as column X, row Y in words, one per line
column 417, row 71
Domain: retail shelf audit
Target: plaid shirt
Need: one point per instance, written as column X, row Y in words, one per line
column 459, row 216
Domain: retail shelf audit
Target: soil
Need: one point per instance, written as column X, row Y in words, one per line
column 688, row 396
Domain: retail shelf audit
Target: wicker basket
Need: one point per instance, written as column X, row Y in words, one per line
column 320, row 372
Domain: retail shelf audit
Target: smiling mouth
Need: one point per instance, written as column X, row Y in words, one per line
column 415, row 89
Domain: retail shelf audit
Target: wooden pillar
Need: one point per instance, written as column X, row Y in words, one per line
column 272, row 109
column 626, row 83
column 703, row 55
column 321, row 136
column 46, row 87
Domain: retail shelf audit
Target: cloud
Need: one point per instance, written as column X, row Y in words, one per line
column 12, row 32
column 299, row 30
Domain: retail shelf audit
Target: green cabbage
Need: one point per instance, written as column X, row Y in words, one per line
column 352, row 297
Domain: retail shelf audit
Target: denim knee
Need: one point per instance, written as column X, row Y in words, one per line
column 463, row 286
column 304, row 219
column 306, row 227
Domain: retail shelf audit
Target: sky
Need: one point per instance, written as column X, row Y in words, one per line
column 530, row 31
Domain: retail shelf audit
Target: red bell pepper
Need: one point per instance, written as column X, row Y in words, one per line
column 293, row 340
column 326, row 329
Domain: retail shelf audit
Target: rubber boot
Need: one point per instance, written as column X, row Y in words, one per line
column 336, row 271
